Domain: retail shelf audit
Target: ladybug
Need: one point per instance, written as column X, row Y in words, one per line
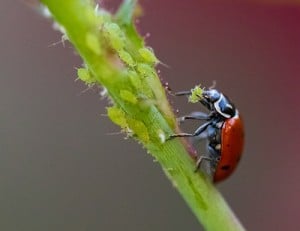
column 223, row 129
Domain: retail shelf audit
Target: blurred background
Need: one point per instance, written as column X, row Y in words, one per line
column 63, row 166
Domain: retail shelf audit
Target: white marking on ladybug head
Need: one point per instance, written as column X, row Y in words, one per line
column 218, row 108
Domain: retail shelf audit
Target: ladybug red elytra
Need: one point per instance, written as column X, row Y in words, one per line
column 223, row 130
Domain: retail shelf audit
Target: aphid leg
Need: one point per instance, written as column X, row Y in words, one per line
column 180, row 93
column 214, row 84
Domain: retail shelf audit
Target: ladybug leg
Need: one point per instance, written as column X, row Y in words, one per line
column 194, row 116
column 199, row 161
column 203, row 101
column 201, row 129
column 180, row 93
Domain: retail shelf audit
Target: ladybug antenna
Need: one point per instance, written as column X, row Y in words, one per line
column 214, row 84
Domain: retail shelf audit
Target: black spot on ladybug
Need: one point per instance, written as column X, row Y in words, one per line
column 225, row 167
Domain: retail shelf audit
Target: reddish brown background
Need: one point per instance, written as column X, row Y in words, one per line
column 59, row 168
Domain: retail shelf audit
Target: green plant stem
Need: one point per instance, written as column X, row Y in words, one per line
column 146, row 113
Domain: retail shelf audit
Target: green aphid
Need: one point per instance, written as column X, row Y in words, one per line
column 128, row 96
column 140, row 85
column 85, row 76
column 114, row 35
column 135, row 80
column 196, row 94
column 145, row 70
column 148, row 55
column 126, row 58
column 117, row 116
column 139, row 129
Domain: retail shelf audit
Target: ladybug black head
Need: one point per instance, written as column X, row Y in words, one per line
column 211, row 96
column 221, row 104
